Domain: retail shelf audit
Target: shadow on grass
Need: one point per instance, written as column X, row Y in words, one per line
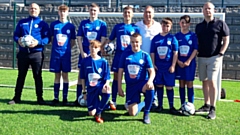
column 22, row 102
column 69, row 114
column 65, row 115
column 166, row 111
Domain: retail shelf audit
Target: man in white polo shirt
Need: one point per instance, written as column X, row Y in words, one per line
column 148, row 29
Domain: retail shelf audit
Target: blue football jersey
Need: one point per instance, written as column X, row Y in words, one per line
column 123, row 33
column 187, row 44
column 135, row 66
column 95, row 72
column 163, row 47
column 62, row 34
column 91, row 31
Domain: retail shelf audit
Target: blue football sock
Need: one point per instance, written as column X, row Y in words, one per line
column 114, row 90
column 65, row 91
column 140, row 107
column 170, row 95
column 191, row 95
column 103, row 102
column 79, row 90
column 56, row 88
column 160, row 93
column 182, row 95
column 148, row 100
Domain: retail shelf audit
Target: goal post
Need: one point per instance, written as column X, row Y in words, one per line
column 113, row 18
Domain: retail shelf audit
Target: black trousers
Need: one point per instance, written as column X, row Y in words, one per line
column 35, row 59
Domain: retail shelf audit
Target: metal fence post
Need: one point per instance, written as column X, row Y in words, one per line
column 14, row 43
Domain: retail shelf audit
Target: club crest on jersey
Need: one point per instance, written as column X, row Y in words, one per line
column 100, row 70
column 141, row 61
column 169, row 42
column 97, row 28
column 36, row 26
column 68, row 31
column 190, row 42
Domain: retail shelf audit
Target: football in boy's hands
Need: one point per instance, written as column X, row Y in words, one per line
column 109, row 48
column 27, row 40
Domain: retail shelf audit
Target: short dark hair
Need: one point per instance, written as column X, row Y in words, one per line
column 127, row 8
column 167, row 20
column 187, row 18
column 94, row 5
column 95, row 43
column 135, row 35
column 63, row 8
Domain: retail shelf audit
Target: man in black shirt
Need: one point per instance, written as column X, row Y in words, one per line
column 213, row 40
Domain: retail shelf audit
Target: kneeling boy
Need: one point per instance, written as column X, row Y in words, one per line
column 95, row 75
column 139, row 75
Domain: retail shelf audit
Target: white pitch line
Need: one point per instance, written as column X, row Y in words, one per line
column 30, row 87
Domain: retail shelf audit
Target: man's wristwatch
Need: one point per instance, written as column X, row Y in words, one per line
column 221, row 54
column 84, row 92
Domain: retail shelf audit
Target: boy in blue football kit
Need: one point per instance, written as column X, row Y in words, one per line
column 122, row 32
column 186, row 63
column 89, row 29
column 96, row 77
column 164, row 51
column 63, row 38
column 139, row 75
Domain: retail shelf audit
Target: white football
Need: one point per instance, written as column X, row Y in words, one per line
column 109, row 48
column 188, row 108
column 82, row 101
column 27, row 40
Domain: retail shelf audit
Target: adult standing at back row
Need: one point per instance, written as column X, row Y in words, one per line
column 33, row 54
column 213, row 40
column 148, row 29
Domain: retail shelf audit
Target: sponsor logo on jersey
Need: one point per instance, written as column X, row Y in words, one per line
column 128, row 58
column 25, row 24
column 180, row 40
column 121, row 30
column 88, row 67
column 56, row 28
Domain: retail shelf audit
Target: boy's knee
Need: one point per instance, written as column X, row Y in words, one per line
column 92, row 113
column 131, row 113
